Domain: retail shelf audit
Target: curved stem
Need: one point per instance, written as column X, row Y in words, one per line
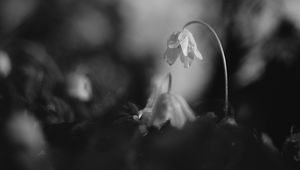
column 170, row 82
column 223, row 56
column 169, row 77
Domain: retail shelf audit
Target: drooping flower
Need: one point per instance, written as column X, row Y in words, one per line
column 184, row 45
column 165, row 106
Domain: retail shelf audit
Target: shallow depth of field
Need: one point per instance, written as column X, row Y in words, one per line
column 91, row 85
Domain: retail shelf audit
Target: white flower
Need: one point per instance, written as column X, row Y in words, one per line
column 165, row 106
column 184, row 45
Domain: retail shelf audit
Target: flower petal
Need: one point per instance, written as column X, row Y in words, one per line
column 188, row 112
column 161, row 111
column 153, row 97
column 184, row 46
column 171, row 55
column 197, row 53
column 184, row 41
column 171, row 107
column 177, row 117
column 151, row 102
column 193, row 47
column 184, row 34
column 187, row 60
column 173, row 41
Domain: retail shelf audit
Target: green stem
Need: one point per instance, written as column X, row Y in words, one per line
column 223, row 56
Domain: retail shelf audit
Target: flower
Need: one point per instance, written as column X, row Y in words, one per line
column 165, row 106
column 184, row 45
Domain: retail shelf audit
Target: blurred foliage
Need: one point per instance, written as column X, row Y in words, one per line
column 111, row 47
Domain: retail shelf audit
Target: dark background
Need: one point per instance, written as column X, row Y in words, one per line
column 119, row 45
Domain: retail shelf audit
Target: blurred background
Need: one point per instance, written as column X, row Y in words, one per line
column 73, row 60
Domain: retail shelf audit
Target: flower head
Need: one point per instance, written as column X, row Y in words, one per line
column 165, row 106
column 184, row 45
